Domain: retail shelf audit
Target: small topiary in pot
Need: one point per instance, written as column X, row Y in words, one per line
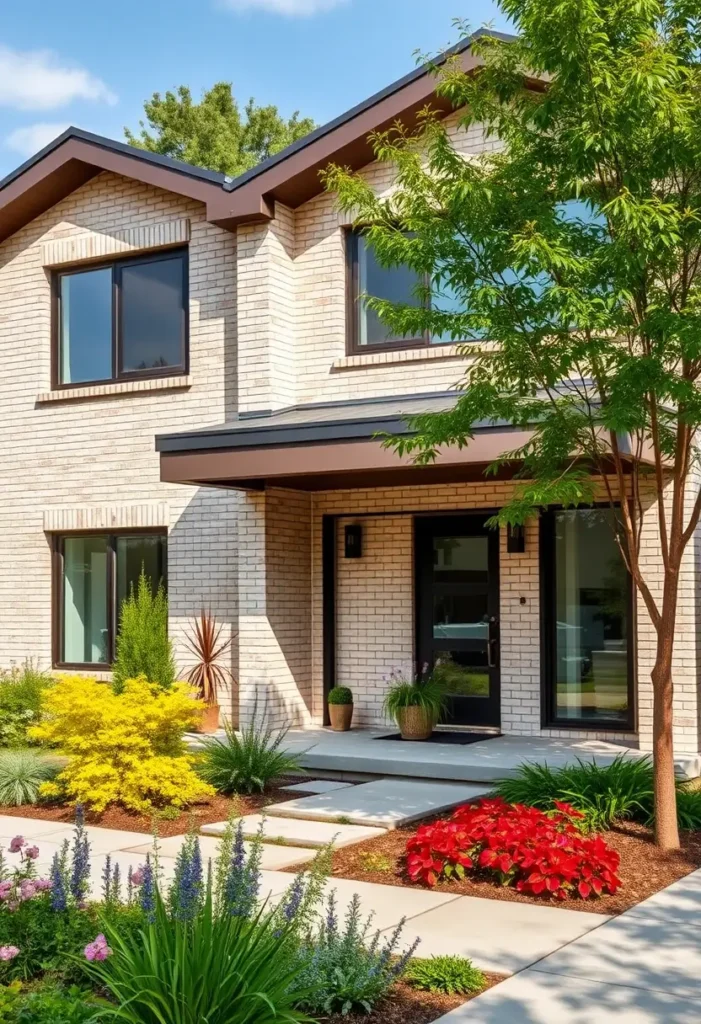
column 340, row 708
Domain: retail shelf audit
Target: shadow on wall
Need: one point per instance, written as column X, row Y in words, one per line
column 203, row 573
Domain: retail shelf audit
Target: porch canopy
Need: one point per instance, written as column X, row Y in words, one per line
column 326, row 447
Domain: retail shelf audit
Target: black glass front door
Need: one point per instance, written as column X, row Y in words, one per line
column 457, row 561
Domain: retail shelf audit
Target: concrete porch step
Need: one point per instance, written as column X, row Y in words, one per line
column 293, row 832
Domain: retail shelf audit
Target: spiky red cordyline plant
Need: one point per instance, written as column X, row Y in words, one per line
column 207, row 675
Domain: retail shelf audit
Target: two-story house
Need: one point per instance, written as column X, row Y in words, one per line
column 191, row 381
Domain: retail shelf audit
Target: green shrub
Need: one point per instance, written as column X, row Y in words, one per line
column 22, row 772
column 248, row 761
column 424, row 691
column 20, row 702
column 48, row 1003
column 688, row 807
column 143, row 645
column 450, row 975
column 346, row 971
column 340, row 695
column 603, row 793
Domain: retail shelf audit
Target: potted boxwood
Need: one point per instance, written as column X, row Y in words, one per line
column 415, row 704
column 207, row 676
column 340, row 708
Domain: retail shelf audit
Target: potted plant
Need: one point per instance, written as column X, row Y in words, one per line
column 340, row 708
column 415, row 704
column 208, row 676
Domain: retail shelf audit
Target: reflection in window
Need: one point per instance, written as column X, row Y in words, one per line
column 86, row 326
column 591, row 613
column 396, row 284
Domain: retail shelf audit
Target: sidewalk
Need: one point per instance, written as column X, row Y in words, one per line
column 643, row 967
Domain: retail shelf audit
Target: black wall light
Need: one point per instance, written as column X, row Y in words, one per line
column 515, row 539
column 354, row 541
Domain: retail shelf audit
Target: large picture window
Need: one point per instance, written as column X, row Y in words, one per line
column 587, row 635
column 93, row 575
column 121, row 320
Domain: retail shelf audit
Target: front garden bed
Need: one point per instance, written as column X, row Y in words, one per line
column 406, row 1005
column 644, row 869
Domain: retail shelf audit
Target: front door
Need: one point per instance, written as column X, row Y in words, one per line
column 457, row 580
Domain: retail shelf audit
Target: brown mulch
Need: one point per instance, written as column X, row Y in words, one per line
column 406, row 1005
column 218, row 808
column 644, row 869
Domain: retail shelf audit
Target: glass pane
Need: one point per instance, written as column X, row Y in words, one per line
column 446, row 300
column 395, row 284
column 460, row 559
column 133, row 553
column 152, row 315
column 591, row 600
column 463, row 673
column 86, row 326
column 460, row 616
column 85, row 633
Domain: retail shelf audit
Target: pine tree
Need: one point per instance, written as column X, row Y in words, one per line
column 143, row 645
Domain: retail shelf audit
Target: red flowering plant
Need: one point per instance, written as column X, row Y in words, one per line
column 540, row 853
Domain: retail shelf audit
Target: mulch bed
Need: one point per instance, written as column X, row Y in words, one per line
column 407, row 1006
column 218, row 808
column 644, row 869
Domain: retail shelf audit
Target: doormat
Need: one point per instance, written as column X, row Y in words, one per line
column 459, row 739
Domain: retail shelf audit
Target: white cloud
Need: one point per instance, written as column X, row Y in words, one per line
column 292, row 8
column 37, row 80
column 34, row 137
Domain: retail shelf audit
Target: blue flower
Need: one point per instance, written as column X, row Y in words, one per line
column 59, row 898
column 147, row 891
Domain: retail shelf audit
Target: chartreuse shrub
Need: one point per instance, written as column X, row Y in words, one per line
column 22, row 773
column 450, row 975
column 48, row 1003
column 21, row 690
column 124, row 748
column 143, row 645
column 538, row 853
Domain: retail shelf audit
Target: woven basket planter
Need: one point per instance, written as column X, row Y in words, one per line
column 415, row 723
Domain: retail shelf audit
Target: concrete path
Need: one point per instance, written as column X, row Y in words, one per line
column 385, row 803
column 295, row 832
column 643, row 967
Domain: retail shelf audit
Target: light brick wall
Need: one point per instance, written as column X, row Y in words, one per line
column 73, row 460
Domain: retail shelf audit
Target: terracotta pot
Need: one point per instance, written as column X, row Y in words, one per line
column 210, row 719
column 340, row 716
column 414, row 723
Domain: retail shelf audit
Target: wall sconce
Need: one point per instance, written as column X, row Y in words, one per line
column 515, row 539
column 354, row 541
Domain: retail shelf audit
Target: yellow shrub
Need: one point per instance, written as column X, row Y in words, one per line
column 122, row 748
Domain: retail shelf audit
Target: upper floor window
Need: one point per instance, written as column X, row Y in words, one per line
column 121, row 320
column 395, row 284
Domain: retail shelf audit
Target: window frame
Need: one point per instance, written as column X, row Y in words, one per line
column 57, row 588
column 548, row 640
column 353, row 346
column 116, row 265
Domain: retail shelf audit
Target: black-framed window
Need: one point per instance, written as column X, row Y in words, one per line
column 93, row 574
column 366, row 332
column 587, row 608
column 121, row 320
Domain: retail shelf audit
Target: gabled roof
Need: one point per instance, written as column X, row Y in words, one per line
column 291, row 176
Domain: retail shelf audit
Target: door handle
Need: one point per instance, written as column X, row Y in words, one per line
column 492, row 654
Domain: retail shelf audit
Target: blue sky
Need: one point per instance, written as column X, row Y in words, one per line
column 93, row 64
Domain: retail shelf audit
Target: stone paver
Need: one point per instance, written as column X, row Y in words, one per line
column 498, row 935
column 388, row 803
column 28, row 827
column 274, row 857
column 388, row 904
column 533, row 997
column 300, row 833
column 317, row 786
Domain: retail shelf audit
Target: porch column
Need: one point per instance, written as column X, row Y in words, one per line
column 275, row 607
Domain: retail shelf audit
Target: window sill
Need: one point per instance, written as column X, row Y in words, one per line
column 395, row 357
column 121, row 387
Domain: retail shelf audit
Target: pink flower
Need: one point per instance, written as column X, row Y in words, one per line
column 27, row 889
column 8, row 952
column 137, row 877
column 32, row 852
column 98, row 949
column 16, row 844
column 43, row 884
column 5, row 890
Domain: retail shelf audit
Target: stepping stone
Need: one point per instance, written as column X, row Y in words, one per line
column 318, row 786
column 385, row 803
column 275, row 858
column 291, row 832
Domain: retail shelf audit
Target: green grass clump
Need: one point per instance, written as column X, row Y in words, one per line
column 246, row 762
column 21, row 774
column 449, row 975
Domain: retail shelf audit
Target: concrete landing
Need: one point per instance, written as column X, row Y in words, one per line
column 314, row 786
column 294, row 832
column 385, row 803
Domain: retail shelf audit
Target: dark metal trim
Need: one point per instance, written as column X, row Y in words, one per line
column 328, row 585
column 548, row 641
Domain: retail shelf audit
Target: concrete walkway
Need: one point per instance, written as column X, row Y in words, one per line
column 643, row 967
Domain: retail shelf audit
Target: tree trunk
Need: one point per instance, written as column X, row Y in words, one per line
column 666, row 827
